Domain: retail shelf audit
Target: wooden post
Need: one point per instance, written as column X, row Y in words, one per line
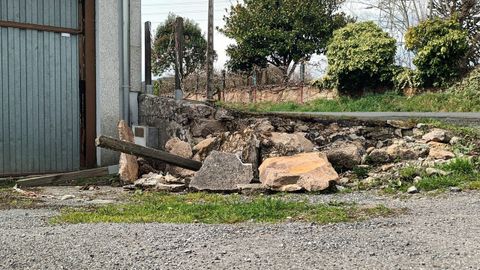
column 140, row 151
column 224, row 83
column 179, row 58
column 148, row 54
column 302, row 78
column 210, row 53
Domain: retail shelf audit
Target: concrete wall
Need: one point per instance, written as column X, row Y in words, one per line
column 109, row 67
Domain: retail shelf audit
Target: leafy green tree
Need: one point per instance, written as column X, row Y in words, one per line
column 280, row 32
column 441, row 47
column 360, row 56
column 163, row 53
column 466, row 12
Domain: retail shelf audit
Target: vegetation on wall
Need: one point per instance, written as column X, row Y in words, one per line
column 440, row 47
column 360, row 56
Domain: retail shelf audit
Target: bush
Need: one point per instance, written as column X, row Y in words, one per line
column 441, row 47
column 406, row 78
column 361, row 56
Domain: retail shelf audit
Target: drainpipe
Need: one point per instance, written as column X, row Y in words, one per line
column 125, row 74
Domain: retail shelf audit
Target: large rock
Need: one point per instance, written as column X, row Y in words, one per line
column 437, row 135
column 345, row 155
column 203, row 148
column 222, row 172
column 205, row 127
column 180, row 148
column 128, row 166
column 285, row 144
column 308, row 171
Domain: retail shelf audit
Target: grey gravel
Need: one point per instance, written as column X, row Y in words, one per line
column 441, row 232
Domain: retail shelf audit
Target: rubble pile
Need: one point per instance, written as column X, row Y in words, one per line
column 284, row 154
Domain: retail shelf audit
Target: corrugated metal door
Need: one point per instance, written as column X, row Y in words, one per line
column 39, row 88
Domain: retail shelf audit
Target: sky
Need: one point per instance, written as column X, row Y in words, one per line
column 156, row 11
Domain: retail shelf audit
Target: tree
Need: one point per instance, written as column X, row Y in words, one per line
column 280, row 32
column 440, row 47
column 360, row 55
column 195, row 49
column 467, row 13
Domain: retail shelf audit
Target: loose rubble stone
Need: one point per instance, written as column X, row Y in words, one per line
column 455, row 140
column 203, row 148
column 67, row 197
column 224, row 115
column 222, row 172
column 401, row 124
column 205, row 127
column 128, row 165
column 412, row 190
column 438, row 153
column 433, row 171
column 378, row 156
column 284, row 144
column 263, row 126
column 437, row 135
column 455, row 189
column 180, row 148
column 308, row 171
column 345, row 155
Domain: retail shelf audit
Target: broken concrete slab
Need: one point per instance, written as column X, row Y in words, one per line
column 222, row 172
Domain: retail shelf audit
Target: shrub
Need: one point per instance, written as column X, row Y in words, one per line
column 406, row 78
column 361, row 56
column 441, row 47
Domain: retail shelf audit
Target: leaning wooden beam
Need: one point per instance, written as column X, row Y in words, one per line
column 141, row 151
column 64, row 179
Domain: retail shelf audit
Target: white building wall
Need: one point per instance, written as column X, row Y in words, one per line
column 109, row 68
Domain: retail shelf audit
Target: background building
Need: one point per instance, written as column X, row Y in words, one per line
column 69, row 70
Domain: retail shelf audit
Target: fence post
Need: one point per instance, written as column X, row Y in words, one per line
column 148, row 58
column 178, row 58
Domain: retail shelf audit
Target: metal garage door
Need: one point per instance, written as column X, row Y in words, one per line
column 39, row 86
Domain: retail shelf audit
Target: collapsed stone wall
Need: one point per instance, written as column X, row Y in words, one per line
column 345, row 144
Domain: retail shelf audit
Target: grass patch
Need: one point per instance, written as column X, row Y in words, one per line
column 448, row 101
column 10, row 199
column 218, row 209
column 463, row 173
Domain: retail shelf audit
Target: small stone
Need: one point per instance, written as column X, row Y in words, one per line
column 401, row 124
column 67, row 197
column 455, row 140
column 412, row 190
column 455, row 189
column 437, row 135
column 370, row 150
column 433, row 171
column 417, row 179
column 344, row 181
column 340, row 188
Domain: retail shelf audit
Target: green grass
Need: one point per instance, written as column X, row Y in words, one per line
column 463, row 173
column 448, row 101
column 218, row 209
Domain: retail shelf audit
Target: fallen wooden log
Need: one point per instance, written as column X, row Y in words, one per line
column 141, row 151
column 63, row 179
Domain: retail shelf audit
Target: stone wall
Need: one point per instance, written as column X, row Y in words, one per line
column 271, row 94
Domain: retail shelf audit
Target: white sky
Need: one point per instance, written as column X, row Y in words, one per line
column 157, row 11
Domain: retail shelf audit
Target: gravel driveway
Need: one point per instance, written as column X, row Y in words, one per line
column 437, row 233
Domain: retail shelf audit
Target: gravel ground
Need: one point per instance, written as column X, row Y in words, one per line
column 437, row 233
